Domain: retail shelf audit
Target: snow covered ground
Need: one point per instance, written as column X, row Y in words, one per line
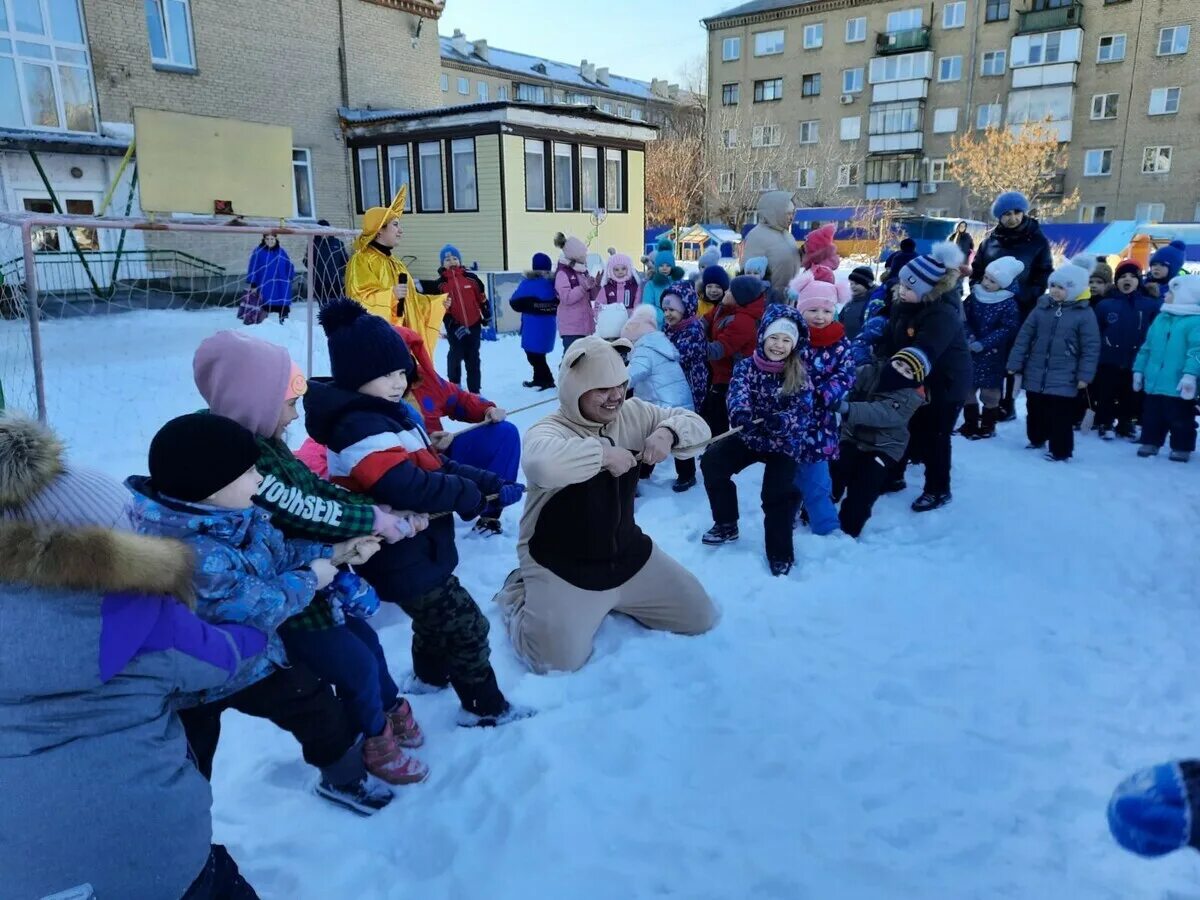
column 940, row 710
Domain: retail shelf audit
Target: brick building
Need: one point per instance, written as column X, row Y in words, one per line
column 893, row 80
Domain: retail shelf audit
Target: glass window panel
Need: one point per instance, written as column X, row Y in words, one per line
column 77, row 98
column 11, row 115
column 368, row 178
column 72, row 57
column 86, row 238
column 157, row 30
column 37, row 51
column 564, row 177
column 5, row 43
column 64, row 21
column 27, row 16
column 178, row 22
column 44, row 238
column 3, row 17
column 535, row 175
column 589, row 178
column 466, row 195
column 39, row 95
column 613, row 180
column 430, row 156
column 398, row 172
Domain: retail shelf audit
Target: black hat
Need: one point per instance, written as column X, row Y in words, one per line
column 747, row 288
column 194, row 456
column 908, row 245
column 362, row 347
column 863, row 276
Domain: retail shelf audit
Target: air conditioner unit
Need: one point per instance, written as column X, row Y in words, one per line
column 929, row 187
column 847, row 99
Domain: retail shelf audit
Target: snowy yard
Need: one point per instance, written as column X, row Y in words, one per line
column 940, row 710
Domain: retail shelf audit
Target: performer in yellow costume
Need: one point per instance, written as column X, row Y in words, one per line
column 382, row 283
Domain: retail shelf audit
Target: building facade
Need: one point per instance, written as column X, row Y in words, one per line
column 894, row 80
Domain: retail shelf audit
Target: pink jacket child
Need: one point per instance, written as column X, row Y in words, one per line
column 620, row 284
column 576, row 290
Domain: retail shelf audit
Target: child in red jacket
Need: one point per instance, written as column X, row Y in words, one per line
column 732, row 336
column 465, row 317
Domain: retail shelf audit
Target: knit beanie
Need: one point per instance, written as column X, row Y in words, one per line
column 908, row 245
column 819, row 248
column 614, row 260
column 1010, row 201
column 916, row 360
column 244, row 378
column 782, row 325
column 1172, row 256
column 681, row 296
column 1128, row 267
column 746, row 289
column 665, row 253
column 572, row 248
column 450, row 250
column 922, row 273
column 1103, row 270
column 362, row 347
column 541, row 263
column 643, row 321
column 755, row 265
column 864, row 277
column 611, row 319
column 194, row 456
column 1073, row 276
column 1154, row 811
column 710, row 257
column 715, row 275
column 810, row 290
column 1005, row 270
column 38, row 486
column 1185, row 290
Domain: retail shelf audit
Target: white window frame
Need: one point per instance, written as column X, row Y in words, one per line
column 729, row 138
column 806, row 178
column 538, row 149
column 502, row 93
column 858, row 78
column 811, row 128
column 807, row 82
column 1150, row 212
column 165, row 14
column 1116, row 40
column 1164, row 95
column 481, row 91
column 459, row 147
column 762, row 48
column 850, row 128
column 589, row 155
column 956, row 11
column 1100, row 106
column 725, row 183
column 949, row 120
column 614, row 202
column 956, row 68
column 939, row 171
column 763, row 180
column 766, row 136
column 1098, row 162
column 849, row 175
column 367, row 155
column 814, row 36
column 464, row 86
column 56, row 55
column 901, row 19
column 993, row 56
column 856, row 30
column 562, row 155
column 731, row 49
column 445, row 83
column 425, row 151
column 304, row 163
column 1175, row 31
column 995, row 115
column 1159, row 159
column 395, row 152
column 1087, row 213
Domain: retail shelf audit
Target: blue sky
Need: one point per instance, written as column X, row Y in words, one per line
column 637, row 38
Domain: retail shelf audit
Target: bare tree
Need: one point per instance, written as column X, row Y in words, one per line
column 877, row 223
column 677, row 176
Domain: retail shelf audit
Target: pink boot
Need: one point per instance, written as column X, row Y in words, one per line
column 404, row 724
column 385, row 759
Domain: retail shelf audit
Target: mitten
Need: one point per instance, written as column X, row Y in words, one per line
column 392, row 528
column 354, row 595
column 462, row 332
column 775, row 423
column 511, row 493
column 1187, row 387
column 1138, row 380
column 975, row 347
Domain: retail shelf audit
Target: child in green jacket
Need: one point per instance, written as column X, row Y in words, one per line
column 1166, row 368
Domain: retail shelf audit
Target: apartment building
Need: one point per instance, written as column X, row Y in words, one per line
column 894, row 80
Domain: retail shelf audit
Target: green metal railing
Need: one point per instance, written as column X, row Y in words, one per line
column 907, row 41
column 1035, row 20
column 61, row 272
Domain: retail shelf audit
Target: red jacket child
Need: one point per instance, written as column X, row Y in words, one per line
column 468, row 300
column 733, row 327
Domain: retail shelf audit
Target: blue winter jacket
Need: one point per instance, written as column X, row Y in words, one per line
column 831, row 372
column 246, row 571
column 655, row 373
column 691, row 340
column 271, row 271
column 535, row 299
column 875, row 319
column 991, row 321
column 1124, row 321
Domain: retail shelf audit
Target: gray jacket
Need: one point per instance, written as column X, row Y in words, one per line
column 877, row 421
column 1057, row 347
column 96, row 782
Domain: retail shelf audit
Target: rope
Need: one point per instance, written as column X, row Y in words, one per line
column 511, row 412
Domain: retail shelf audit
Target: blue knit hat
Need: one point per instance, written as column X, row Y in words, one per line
column 541, row 263
column 747, row 288
column 922, row 272
column 1153, row 812
column 755, row 265
column 362, row 347
column 665, row 255
column 449, row 250
column 1010, row 201
column 1171, row 256
column 715, row 275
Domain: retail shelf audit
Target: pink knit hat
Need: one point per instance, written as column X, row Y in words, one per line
column 814, row 289
column 614, row 260
column 244, row 379
column 572, row 248
column 644, row 321
column 819, row 248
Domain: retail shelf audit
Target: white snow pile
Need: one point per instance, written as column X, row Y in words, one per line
column 940, row 710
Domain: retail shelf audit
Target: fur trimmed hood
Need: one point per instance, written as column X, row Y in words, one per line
column 31, row 457
column 95, row 559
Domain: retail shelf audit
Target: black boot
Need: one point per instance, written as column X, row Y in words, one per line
column 970, row 426
column 721, row 534
column 928, row 501
column 1008, row 410
column 987, row 427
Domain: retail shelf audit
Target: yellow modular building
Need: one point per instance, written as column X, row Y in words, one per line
column 497, row 180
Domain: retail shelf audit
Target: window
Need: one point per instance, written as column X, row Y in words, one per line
column 1039, row 49
column 464, row 86
column 993, row 62
column 731, row 49
column 530, row 93
column 725, row 183
column 483, row 92
column 848, row 175
column 1164, row 101
column 1174, row 40
column 806, row 179
column 810, row 131
column 768, row 43
column 945, row 120
column 614, row 180
column 535, row 175
column 766, row 136
column 814, row 36
column 886, row 170
column 729, row 138
column 302, row 185
column 856, row 30
column 1150, row 212
column 954, row 15
column 810, row 86
column 1111, row 48
column 168, row 21
column 1053, row 104
column 502, row 93
column 764, row 181
column 768, row 89
column 635, row 113
column 939, row 171
column 398, row 172
column 950, row 68
column 851, row 128
column 45, row 73
column 1097, row 162
column 895, row 118
column 589, row 178
column 429, row 158
column 564, row 178
column 730, row 94
column 904, row 19
column 902, row 67
column 1104, row 106
column 621, row 110
column 368, row 178
column 989, row 115
column 445, row 83
column 1156, row 160
column 996, row 11
column 1093, row 212
column 464, row 192
column 852, row 81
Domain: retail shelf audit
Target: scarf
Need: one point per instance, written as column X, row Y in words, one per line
column 990, row 297
column 769, row 366
column 820, row 338
column 386, row 251
column 683, row 323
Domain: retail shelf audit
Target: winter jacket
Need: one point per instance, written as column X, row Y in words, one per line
column 654, row 288
column 576, row 291
column 1124, row 321
column 579, row 520
column 381, row 449
column 936, row 327
column 370, row 276
column 656, row 375
column 964, row 242
column 537, row 302
column 831, row 372
column 1027, row 244
column 690, row 338
column 329, row 264
column 733, row 335
column 246, row 571
column 468, row 300
column 877, row 421
column 770, row 421
column 434, row 395
column 991, row 320
column 628, row 293
column 1056, row 348
column 853, row 314
column 1171, row 350
column 875, row 321
column 271, row 272
column 100, row 648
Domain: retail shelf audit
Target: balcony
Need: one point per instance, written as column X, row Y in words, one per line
column 1054, row 185
column 1055, row 19
column 893, row 190
column 907, row 41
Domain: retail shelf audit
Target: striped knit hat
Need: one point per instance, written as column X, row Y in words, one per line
column 37, row 485
column 923, row 272
column 916, row 360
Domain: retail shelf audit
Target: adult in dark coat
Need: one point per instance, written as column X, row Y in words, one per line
column 963, row 239
column 329, row 267
column 900, row 258
column 1017, row 235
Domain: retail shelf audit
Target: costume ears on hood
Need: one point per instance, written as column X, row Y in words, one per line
column 590, row 362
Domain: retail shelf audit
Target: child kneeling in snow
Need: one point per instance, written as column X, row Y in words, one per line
column 377, row 445
column 1166, row 369
column 686, row 331
column 992, row 319
column 201, row 491
column 771, row 400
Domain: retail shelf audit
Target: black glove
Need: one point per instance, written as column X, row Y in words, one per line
column 462, row 332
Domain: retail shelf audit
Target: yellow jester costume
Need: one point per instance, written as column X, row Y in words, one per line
column 372, row 273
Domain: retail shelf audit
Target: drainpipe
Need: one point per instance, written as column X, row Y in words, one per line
column 962, row 194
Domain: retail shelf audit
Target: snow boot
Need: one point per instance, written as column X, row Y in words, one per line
column 487, row 526
column 1128, row 431
column 411, row 684
column 780, row 566
column 366, row 796
column 895, row 486
column 1148, row 450
column 987, row 426
column 1050, row 457
column 970, row 426
column 1106, row 433
column 1008, row 409
column 1181, row 455
column 387, row 761
column 684, row 484
column 927, row 502
column 404, row 725
column 1032, row 446
column 511, row 713
column 721, row 534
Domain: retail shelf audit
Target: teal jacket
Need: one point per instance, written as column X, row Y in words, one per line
column 1171, row 350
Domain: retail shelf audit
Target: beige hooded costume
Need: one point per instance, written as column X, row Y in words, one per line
column 772, row 238
column 581, row 553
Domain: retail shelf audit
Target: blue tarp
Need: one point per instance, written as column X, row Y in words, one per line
column 651, row 236
column 1114, row 237
column 1075, row 236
